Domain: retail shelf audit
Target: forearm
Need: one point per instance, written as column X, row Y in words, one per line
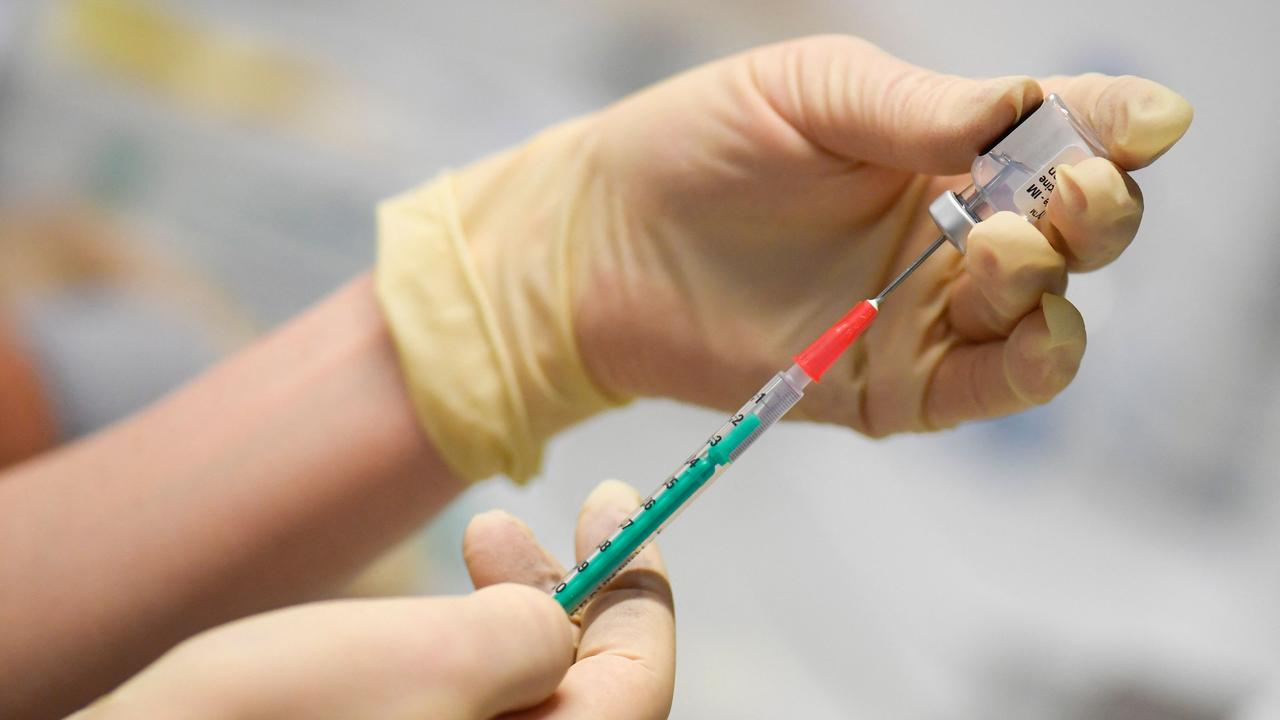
column 265, row 482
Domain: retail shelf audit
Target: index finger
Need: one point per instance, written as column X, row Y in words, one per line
column 627, row 652
column 1136, row 119
column 634, row 611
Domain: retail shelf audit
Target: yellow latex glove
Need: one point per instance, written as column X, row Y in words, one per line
column 687, row 241
column 505, row 648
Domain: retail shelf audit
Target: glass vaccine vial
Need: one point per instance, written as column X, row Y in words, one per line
column 1018, row 172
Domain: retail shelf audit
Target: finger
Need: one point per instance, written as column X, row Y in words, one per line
column 1136, row 119
column 857, row 101
column 1094, row 214
column 628, row 631
column 626, row 655
column 604, row 509
column 499, row 649
column 998, row 378
column 1007, row 267
column 607, row 506
column 498, row 547
column 513, row 647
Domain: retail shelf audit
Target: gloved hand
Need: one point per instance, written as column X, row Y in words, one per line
column 625, row 663
column 502, row 649
column 689, row 240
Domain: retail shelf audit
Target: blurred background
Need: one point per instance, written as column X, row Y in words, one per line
column 178, row 177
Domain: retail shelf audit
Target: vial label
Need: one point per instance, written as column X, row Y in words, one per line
column 1032, row 199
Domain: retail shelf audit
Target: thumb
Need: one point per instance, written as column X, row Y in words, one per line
column 515, row 646
column 851, row 98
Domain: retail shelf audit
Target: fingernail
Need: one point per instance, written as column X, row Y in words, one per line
column 616, row 488
column 1155, row 119
column 612, row 494
column 1065, row 324
column 494, row 515
column 1014, row 90
column 1073, row 197
column 495, row 518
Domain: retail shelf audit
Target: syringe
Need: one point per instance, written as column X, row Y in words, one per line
column 1016, row 174
column 726, row 445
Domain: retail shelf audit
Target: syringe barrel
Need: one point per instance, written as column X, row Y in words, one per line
column 1018, row 172
column 680, row 488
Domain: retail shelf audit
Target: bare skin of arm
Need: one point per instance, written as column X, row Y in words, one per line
column 268, row 481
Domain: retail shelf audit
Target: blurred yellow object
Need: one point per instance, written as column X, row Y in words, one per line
column 47, row 247
column 209, row 69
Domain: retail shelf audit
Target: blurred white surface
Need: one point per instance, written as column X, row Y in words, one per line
column 1114, row 554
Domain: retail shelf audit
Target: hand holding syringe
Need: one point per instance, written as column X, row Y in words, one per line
column 1017, row 174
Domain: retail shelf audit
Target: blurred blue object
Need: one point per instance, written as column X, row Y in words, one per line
column 105, row 353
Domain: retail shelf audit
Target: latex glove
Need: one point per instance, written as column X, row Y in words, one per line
column 689, row 240
column 626, row 653
column 504, row 648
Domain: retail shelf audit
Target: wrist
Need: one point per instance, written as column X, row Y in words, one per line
column 476, row 276
column 535, row 218
column 532, row 219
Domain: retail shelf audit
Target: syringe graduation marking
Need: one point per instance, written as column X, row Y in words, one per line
column 634, row 532
column 720, row 450
column 783, row 399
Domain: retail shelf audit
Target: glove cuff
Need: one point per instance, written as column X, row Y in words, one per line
column 492, row 371
column 455, row 362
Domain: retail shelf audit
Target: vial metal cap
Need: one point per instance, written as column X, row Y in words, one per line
column 953, row 218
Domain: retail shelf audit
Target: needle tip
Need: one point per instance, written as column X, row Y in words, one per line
column 910, row 269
